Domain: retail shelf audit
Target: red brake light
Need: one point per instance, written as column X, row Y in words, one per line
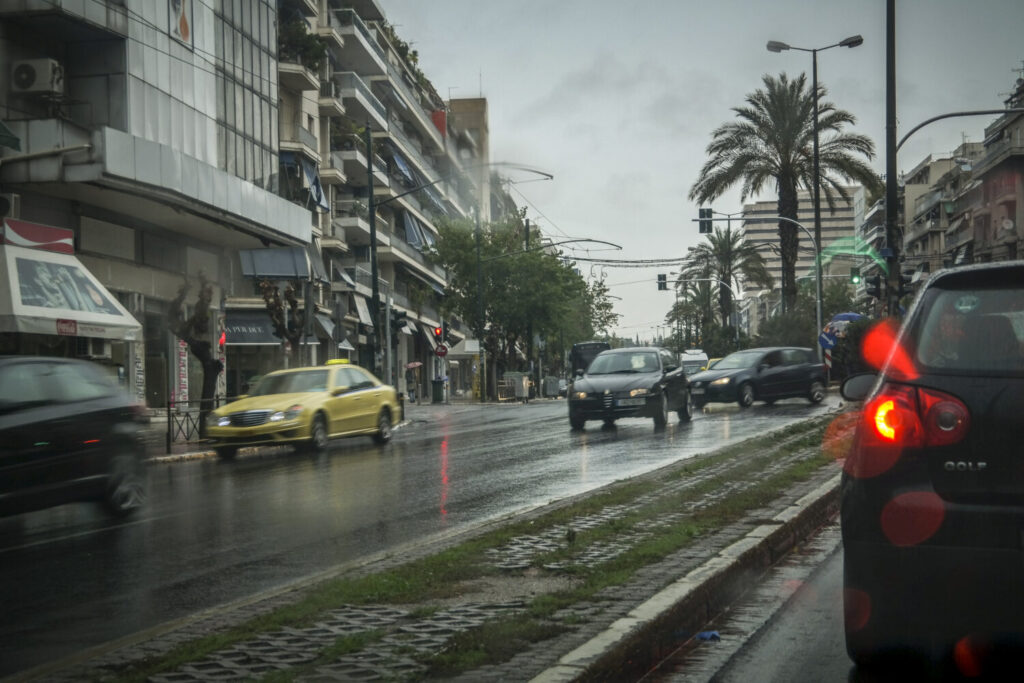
column 903, row 416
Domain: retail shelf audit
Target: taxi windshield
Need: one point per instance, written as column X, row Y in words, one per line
column 292, row 382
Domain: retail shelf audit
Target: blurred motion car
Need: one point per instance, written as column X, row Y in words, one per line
column 306, row 407
column 630, row 382
column 68, row 433
column 763, row 374
column 932, row 494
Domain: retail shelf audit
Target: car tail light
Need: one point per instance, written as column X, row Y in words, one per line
column 901, row 417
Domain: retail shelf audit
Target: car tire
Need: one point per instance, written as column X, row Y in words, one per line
column 576, row 422
column 817, row 392
column 383, row 433
column 661, row 411
column 609, row 424
column 318, row 436
column 126, row 491
column 226, row 453
column 746, row 395
column 685, row 411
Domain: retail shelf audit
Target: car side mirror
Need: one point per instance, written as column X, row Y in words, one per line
column 338, row 391
column 857, row 387
column 762, row 367
column 579, row 372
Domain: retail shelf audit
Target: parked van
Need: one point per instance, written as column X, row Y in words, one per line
column 693, row 360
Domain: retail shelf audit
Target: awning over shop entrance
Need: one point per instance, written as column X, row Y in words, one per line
column 45, row 292
column 249, row 328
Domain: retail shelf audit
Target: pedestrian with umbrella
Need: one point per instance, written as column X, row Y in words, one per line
column 410, row 379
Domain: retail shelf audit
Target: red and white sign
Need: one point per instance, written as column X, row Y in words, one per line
column 37, row 236
column 441, row 351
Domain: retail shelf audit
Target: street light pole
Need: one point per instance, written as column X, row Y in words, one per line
column 777, row 46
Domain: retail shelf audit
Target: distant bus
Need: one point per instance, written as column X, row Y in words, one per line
column 584, row 352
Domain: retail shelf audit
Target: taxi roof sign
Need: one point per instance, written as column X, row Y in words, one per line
column 337, row 361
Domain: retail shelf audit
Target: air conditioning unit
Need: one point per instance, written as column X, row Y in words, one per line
column 92, row 347
column 10, row 205
column 37, row 76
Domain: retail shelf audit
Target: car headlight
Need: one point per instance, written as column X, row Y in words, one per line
column 215, row 420
column 724, row 380
column 642, row 391
column 289, row 414
column 579, row 394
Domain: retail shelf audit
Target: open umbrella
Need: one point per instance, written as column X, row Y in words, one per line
column 413, row 364
column 846, row 316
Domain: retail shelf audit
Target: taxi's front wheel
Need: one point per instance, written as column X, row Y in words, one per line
column 317, row 435
column 383, row 434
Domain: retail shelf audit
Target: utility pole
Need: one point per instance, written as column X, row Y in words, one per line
column 529, row 323
column 480, row 313
column 891, row 237
column 375, row 285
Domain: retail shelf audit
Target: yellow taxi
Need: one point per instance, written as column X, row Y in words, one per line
column 306, row 407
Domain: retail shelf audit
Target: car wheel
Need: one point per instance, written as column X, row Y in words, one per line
column 127, row 488
column 746, row 392
column 383, row 434
column 576, row 421
column 226, row 453
column 317, row 435
column 817, row 392
column 661, row 411
column 608, row 424
column 685, row 411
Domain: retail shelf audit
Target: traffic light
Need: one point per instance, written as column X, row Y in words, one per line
column 662, row 281
column 446, row 334
column 398, row 320
column 905, row 288
column 438, row 335
column 704, row 222
column 854, row 276
column 874, row 286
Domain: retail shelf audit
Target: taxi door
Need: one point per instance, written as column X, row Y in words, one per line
column 342, row 407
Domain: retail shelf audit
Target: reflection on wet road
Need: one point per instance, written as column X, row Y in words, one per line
column 215, row 532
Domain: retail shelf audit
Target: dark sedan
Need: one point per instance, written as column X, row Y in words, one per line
column 632, row 382
column 765, row 374
column 68, row 432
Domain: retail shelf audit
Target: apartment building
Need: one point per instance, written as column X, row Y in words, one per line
column 240, row 140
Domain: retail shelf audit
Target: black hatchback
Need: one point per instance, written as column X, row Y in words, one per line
column 932, row 496
column 68, row 433
column 639, row 381
column 764, row 374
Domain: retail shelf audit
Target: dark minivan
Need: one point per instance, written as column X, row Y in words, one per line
column 68, row 433
column 932, row 495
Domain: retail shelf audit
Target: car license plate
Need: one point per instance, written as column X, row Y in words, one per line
column 697, row 391
column 631, row 401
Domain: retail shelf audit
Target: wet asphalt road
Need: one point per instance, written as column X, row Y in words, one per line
column 216, row 532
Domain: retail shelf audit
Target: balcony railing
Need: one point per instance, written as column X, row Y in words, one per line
column 347, row 17
column 350, row 80
column 301, row 135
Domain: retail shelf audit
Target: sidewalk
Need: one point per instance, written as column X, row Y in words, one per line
column 618, row 629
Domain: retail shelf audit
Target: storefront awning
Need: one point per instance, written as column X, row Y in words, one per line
column 428, row 332
column 363, row 311
column 283, row 263
column 45, row 292
column 326, row 325
column 249, row 328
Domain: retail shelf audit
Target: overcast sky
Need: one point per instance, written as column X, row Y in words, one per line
column 618, row 100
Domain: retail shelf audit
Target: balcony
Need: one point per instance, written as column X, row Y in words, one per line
column 360, row 50
column 402, row 252
column 329, row 102
column 332, row 172
column 1000, row 189
column 415, row 108
column 297, row 139
column 360, row 101
column 997, row 153
column 350, row 217
column 352, row 153
column 294, row 76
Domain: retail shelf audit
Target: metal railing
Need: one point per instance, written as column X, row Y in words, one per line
column 351, row 80
column 184, row 422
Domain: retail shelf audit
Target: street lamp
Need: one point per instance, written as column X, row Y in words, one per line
column 777, row 46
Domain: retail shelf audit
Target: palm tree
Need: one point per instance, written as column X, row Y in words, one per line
column 724, row 257
column 773, row 141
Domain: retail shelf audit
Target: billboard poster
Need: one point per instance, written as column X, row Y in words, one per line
column 181, row 21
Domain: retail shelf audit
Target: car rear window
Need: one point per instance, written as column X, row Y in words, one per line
column 973, row 330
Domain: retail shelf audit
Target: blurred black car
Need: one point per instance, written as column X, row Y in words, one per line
column 932, row 495
column 68, row 433
column 765, row 374
column 631, row 382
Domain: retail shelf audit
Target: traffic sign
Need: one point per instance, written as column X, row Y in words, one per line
column 441, row 351
column 827, row 340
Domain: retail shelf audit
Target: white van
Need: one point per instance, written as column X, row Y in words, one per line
column 693, row 360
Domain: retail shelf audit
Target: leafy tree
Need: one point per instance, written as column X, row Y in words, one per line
column 194, row 330
column 798, row 325
column 724, row 257
column 288, row 319
column 772, row 145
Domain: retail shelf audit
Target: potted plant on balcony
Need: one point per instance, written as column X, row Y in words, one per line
column 296, row 44
column 346, row 135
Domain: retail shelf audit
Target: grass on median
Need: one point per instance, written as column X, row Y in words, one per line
column 441, row 575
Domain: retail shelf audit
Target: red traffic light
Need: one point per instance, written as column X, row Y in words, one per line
column 438, row 332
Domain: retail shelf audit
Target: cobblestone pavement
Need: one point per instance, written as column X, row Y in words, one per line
column 397, row 638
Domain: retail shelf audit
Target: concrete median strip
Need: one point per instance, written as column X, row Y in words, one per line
column 696, row 597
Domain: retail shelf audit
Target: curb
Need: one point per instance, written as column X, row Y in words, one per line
column 695, row 599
